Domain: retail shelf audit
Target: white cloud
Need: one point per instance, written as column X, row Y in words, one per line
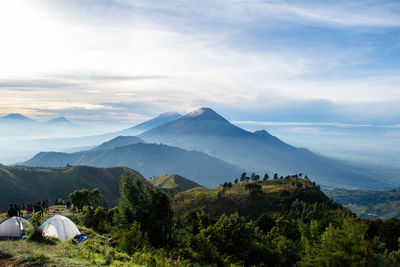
column 185, row 55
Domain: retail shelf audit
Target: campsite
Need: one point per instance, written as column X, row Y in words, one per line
column 196, row 133
column 94, row 252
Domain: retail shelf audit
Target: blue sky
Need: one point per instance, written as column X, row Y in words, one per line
column 125, row 61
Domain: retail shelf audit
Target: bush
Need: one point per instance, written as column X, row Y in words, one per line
column 36, row 234
column 99, row 219
column 133, row 239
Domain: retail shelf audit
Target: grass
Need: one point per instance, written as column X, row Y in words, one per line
column 173, row 182
column 218, row 200
column 98, row 250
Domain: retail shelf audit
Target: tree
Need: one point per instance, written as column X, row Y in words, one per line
column 95, row 197
column 257, row 177
column 148, row 206
column 253, row 188
column 266, row 176
column 227, row 185
column 253, row 176
column 243, row 177
column 275, row 176
column 236, row 181
column 84, row 197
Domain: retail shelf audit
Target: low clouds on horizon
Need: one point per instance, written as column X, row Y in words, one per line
column 122, row 60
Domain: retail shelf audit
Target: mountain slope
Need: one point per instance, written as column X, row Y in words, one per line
column 173, row 182
column 150, row 124
column 119, row 141
column 149, row 159
column 22, row 185
column 207, row 131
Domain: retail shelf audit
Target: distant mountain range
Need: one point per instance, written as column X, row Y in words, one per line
column 15, row 124
column 23, row 185
column 16, row 117
column 149, row 159
column 227, row 151
column 205, row 130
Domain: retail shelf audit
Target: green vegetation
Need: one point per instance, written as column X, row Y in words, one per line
column 85, row 197
column 278, row 222
column 173, row 182
column 369, row 204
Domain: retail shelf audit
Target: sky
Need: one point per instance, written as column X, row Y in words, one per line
column 252, row 61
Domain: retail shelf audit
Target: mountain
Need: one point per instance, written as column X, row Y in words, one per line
column 22, row 185
column 16, row 117
column 207, row 131
column 119, row 141
column 60, row 121
column 150, row 160
column 173, row 182
column 65, row 143
column 150, row 124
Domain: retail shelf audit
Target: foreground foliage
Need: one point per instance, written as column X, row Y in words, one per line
column 281, row 222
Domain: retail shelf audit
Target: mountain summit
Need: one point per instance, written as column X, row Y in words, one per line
column 203, row 121
column 205, row 130
column 205, row 114
column 60, row 120
column 16, row 117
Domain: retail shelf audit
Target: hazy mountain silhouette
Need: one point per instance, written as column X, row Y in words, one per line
column 60, row 121
column 150, row 160
column 16, row 117
column 207, row 131
column 150, row 124
column 119, row 141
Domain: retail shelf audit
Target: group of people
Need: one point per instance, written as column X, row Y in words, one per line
column 40, row 206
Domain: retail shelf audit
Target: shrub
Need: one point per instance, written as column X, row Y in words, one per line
column 133, row 239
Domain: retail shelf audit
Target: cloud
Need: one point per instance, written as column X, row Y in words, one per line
column 155, row 56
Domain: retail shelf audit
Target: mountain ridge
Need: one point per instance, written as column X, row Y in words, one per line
column 205, row 130
column 149, row 159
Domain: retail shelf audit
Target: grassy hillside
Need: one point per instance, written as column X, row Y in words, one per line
column 173, row 182
column 22, row 185
column 372, row 204
column 274, row 196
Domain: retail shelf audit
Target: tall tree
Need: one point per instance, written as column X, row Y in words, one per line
column 243, row 177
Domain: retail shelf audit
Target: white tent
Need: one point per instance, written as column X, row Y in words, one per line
column 13, row 227
column 60, row 227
